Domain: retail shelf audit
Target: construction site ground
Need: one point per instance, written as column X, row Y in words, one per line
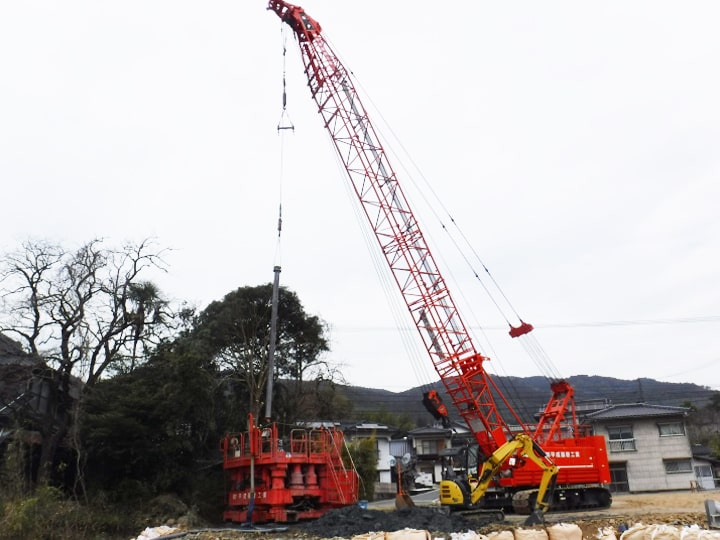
column 680, row 508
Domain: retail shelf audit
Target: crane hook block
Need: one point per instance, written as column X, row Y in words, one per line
column 521, row 330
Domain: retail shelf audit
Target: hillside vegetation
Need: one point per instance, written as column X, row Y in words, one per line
column 528, row 395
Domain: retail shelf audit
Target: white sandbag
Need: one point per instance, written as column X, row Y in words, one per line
column 564, row 531
column 691, row 532
column 606, row 533
column 156, row 532
column 501, row 535
column 664, row 532
column 408, row 534
column 468, row 535
column 530, row 534
column 370, row 536
column 637, row 532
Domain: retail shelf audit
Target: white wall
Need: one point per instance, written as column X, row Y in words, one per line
column 645, row 467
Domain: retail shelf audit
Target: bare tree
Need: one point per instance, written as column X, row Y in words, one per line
column 85, row 312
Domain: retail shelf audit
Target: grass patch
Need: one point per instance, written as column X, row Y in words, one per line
column 48, row 515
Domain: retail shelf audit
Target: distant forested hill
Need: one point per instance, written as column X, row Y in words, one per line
column 528, row 395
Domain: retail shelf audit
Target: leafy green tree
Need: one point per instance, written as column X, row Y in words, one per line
column 236, row 330
column 690, row 406
column 364, row 455
column 310, row 400
column 155, row 427
column 703, row 423
column 401, row 421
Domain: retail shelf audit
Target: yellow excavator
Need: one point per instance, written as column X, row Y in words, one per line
column 463, row 490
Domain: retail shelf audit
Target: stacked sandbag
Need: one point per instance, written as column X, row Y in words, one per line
column 370, row 536
column 560, row 531
column 693, row 532
column 468, row 535
column 530, row 534
column 668, row 532
column 709, row 535
column 408, row 534
column 402, row 534
column 605, row 533
column 564, row 531
column 501, row 535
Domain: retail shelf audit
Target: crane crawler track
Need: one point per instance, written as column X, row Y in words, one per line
column 564, row 499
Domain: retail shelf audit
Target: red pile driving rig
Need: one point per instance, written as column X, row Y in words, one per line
column 286, row 479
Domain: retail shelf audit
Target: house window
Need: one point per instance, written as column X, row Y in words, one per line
column 671, row 429
column 429, row 447
column 621, row 439
column 619, row 478
column 673, row 466
column 703, row 471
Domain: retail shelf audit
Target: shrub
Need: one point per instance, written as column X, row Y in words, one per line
column 364, row 455
column 48, row 515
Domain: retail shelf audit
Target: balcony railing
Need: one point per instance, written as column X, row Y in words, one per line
column 621, row 445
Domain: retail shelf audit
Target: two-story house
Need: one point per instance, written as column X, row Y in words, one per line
column 382, row 434
column 648, row 446
column 427, row 443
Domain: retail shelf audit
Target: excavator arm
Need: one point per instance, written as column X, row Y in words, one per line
column 521, row 447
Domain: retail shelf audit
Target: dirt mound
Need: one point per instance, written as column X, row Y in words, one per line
column 353, row 520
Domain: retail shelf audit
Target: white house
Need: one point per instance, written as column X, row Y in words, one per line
column 648, row 447
column 383, row 435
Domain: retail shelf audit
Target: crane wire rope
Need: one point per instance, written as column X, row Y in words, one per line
column 382, row 273
column 284, row 125
column 424, row 374
column 529, row 343
column 399, row 310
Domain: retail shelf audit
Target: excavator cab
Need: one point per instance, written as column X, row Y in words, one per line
column 459, row 475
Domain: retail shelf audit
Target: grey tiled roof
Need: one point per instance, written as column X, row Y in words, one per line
column 635, row 410
column 430, row 430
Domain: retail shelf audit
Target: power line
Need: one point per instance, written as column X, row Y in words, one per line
column 587, row 324
column 637, row 322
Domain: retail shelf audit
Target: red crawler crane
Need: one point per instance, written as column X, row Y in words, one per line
column 555, row 465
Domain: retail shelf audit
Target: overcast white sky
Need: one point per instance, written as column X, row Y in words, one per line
column 575, row 143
